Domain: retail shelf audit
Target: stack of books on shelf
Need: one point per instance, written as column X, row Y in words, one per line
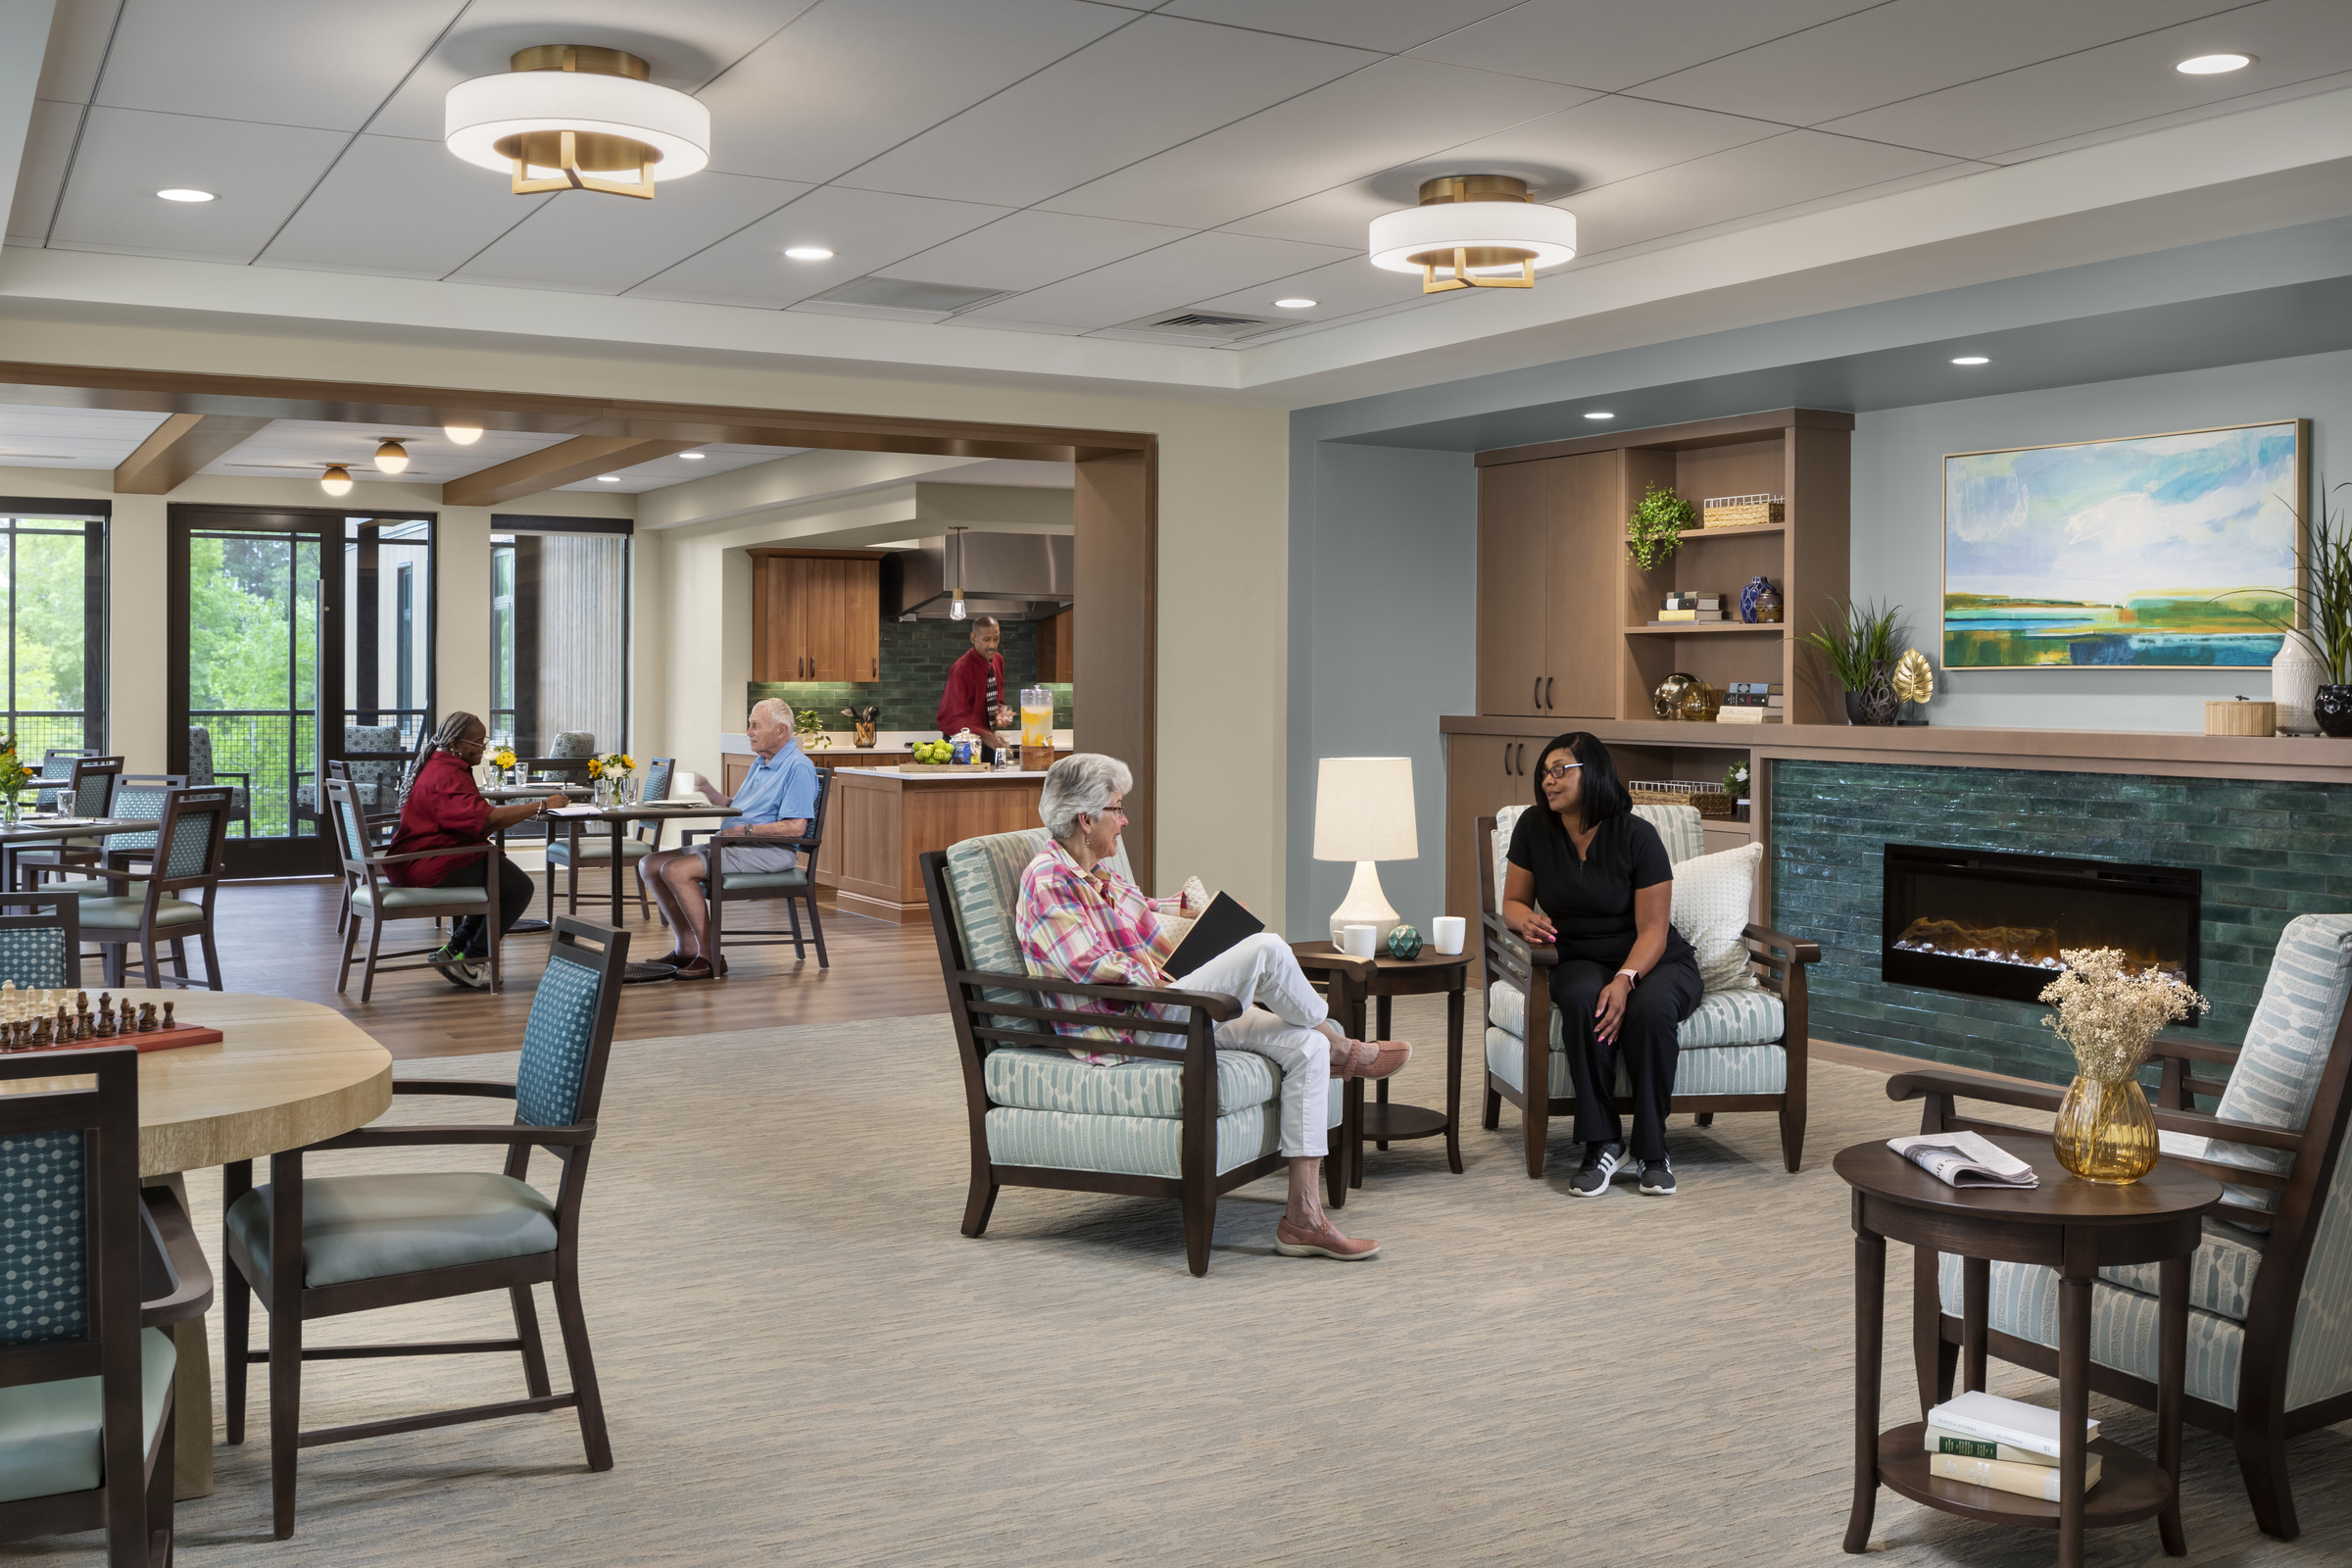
column 1691, row 607
column 1752, row 702
column 2007, row 1445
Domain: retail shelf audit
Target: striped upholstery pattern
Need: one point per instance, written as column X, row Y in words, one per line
column 556, row 1042
column 1723, row 1019
column 34, row 956
column 1721, row 1070
column 2220, row 1274
column 984, row 884
column 1055, row 1080
column 2286, row 1044
column 1131, row 1146
column 44, row 1261
column 2319, row 1363
column 2122, row 1325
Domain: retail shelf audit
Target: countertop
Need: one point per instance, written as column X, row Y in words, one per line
column 888, row 740
column 951, row 776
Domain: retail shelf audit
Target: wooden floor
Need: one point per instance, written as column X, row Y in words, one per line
column 279, row 938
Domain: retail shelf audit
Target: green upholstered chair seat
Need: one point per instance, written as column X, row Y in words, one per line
column 1133, row 1146
column 420, row 900
column 1705, row 1070
column 754, row 881
column 598, row 847
column 124, row 914
column 96, row 887
column 1045, row 1079
column 366, row 1227
column 1724, row 1018
column 53, row 1434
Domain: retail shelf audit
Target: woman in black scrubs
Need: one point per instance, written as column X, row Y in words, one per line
column 1592, row 879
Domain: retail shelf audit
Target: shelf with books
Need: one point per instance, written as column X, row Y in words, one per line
column 2130, row 1487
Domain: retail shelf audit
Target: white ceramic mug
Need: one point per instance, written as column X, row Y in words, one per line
column 1445, row 934
column 1356, row 940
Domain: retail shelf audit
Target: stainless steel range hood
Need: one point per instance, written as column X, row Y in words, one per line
column 1012, row 576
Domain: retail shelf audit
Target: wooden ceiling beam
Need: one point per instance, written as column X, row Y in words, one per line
column 583, row 457
column 183, row 446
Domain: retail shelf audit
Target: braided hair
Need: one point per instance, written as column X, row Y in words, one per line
column 453, row 730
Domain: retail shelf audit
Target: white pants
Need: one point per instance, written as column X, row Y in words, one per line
column 1280, row 1015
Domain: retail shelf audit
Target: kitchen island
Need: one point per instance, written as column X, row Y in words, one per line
column 881, row 819
column 895, row 746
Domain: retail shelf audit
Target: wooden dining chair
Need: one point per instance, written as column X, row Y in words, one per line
column 88, row 788
column 796, row 888
column 42, row 950
column 314, row 1246
column 163, row 895
column 370, row 896
column 86, row 1364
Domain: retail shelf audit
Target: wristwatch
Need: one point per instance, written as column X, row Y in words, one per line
column 1635, row 975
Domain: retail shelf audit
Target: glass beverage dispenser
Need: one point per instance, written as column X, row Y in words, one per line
column 1036, row 729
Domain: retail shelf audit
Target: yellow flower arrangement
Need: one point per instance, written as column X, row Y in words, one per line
column 503, row 757
column 615, row 762
column 14, row 775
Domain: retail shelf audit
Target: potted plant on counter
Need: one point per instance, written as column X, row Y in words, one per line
column 2327, row 629
column 1860, row 650
column 1656, row 528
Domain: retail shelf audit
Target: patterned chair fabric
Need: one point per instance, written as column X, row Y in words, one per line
column 34, row 956
column 57, row 767
column 657, row 775
column 378, row 782
column 44, row 1253
column 200, row 773
column 572, row 743
column 556, row 1042
column 2286, row 1047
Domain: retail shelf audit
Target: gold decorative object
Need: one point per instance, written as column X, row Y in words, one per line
column 1667, row 699
column 1914, row 677
column 2109, row 1008
column 2106, row 1133
column 1700, row 703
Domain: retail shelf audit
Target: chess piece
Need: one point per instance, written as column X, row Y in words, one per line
column 42, row 1031
column 167, row 1023
column 103, row 1028
column 82, row 1025
column 147, row 1018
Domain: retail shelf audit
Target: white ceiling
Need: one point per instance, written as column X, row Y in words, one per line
column 1105, row 163
column 33, row 437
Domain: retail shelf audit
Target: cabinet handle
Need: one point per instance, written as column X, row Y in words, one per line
column 1506, row 759
column 1548, row 694
column 1535, row 700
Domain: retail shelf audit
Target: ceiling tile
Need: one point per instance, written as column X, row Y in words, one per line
column 845, row 83
column 36, row 437
column 1388, row 25
column 1339, row 216
column 1139, row 92
column 1906, row 48
column 260, row 174
column 1798, row 167
column 1337, row 288
column 1345, row 130
column 597, row 244
column 404, row 208
column 2335, row 82
column 684, row 43
column 865, row 231
column 1603, row 141
column 281, row 62
column 78, row 34
column 2121, row 84
column 1031, row 249
column 1612, row 47
column 48, row 148
column 1164, row 278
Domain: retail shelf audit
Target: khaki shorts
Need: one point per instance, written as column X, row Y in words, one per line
column 745, row 859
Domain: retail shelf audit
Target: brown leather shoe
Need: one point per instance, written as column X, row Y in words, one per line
column 674, row 958
column 1325, row 1240
column 696, row 969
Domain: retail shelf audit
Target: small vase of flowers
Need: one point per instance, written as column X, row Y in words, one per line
column 13, row 776
column 610, row 772
column 2108, row 1010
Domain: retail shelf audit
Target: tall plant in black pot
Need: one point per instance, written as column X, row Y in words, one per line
column 2326, row 607
column 1860, row 650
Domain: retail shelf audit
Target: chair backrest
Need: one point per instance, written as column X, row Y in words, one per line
column 42, row 950
column 2286, row 1044
column 351, row 826
column 188, row 839
column 560, row 1080
column 658, row 771
column 141, row 796
column 200, row 755
column 1678, row 828
column 817, row 814
column 91, row 785
column 572, row 743
column 983, row 883
column 68, row 1210
column 383, row 738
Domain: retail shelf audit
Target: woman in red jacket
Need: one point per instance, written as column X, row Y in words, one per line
column 441, row 807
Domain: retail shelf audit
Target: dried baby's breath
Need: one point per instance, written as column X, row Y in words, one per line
column 2109, row 1008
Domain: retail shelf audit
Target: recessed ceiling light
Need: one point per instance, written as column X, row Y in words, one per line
column 694, row 456
column 1293, row 304
column 391, row 456
column 2212, row 64
column 182, row 193
column 608, row 478
column 1599, row 414
column 809, row 253
column 463, row 435
column 1972, row 359
column 337, row 481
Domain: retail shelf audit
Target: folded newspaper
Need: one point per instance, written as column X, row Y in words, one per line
column 1965, row 1159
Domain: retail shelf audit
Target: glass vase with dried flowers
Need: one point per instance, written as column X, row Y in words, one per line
column 2108, row 1010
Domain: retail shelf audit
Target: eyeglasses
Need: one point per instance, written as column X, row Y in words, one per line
column 1560, row 770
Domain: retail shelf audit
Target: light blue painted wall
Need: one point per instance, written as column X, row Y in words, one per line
column 1384, row 616
column 1898, row 524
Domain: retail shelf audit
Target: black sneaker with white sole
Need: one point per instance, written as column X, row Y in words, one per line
column 461, row 970
column 1601, row 1161
column 1657, row 1178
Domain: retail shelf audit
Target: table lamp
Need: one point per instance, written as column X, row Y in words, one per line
column 1365, row 812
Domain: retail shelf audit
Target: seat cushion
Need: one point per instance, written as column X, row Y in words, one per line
column 366, row 1227
column 1055, row 1080
column 53, row 1434
column 1709, row 1070
column 754, row 881
column 1723, row 1019
column 558, row 853
column 2024, row 1301
column 124, row 914
column 1133, row 1146
column 2221, row 1273
column 418, row 900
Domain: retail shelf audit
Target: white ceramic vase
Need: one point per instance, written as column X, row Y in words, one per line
column 2295, row 676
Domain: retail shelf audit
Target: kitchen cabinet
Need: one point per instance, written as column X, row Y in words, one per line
column 1547, row 576
column 1484, row 773
column 1055, row 664
column 816, row 615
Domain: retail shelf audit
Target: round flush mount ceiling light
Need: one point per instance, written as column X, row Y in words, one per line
column 1474, row 231
column 573, row 118
column 391, row 456
column 808, row 253
column 463, row 435
column 1972, row 359
column 337, row 481
column 1293, row 304
column 2212, row 64
column 185, row 193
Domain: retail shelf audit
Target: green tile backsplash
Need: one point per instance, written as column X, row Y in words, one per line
column 916, row 656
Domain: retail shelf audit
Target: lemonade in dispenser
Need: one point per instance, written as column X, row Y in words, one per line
column 1036, row 729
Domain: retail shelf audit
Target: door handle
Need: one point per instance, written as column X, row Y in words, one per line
column 1548, row 694
column 1506, row 759
column 1536, row 698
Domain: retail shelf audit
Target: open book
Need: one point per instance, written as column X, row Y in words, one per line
column 1965, row 1159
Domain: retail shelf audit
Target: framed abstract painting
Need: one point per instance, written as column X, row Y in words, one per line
column 2157, row 551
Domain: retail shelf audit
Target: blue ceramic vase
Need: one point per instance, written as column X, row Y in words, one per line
column 1404, row 943
column 1748, row 595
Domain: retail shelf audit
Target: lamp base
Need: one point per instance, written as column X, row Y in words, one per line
column 1365, row 905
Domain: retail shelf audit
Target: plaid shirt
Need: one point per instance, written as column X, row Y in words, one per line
column 1094, row 927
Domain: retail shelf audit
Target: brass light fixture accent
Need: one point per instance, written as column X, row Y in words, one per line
column 390, row 455
column 337, row 481
column 573, row 117
column 1474, row 231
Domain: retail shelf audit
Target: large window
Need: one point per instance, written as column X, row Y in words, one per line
column 558, row 631
column 55, row 564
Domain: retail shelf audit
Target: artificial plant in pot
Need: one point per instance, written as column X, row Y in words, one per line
column 1657, row 526
column 2327, row 629
column 1860, row 650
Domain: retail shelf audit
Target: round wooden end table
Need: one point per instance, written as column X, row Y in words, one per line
column 2067, row 1224
column 1378, row 980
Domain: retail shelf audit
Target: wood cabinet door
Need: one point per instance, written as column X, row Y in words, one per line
column 858, row 652
column 1483, row 774
column 1515, row 503
column 827, row 611
column 779, row 618
column 1583, row 586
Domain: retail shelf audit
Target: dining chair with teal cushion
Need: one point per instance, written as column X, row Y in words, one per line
column 89, row 789
column 314, row 1246
column 794, row 888
column 86, row 1365
column 1180, row 1120
column 370, row 897
column 2269, row 1289
column 163, row 894
column 42, row 950
column 202, row 775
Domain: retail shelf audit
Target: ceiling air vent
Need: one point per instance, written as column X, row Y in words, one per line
column 900, row 298
column 1200, row 326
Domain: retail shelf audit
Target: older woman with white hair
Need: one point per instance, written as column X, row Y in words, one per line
column 1080, row 920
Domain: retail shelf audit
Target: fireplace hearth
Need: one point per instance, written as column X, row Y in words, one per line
column 1991, row 923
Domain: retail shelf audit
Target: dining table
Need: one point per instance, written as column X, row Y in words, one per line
column 283, row 1075
column 618, row 818
column 39, row 832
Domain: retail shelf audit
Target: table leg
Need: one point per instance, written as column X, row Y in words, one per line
column 619, row 860
column 2172, row 1368
column 2074, row 1393
column 1931, row 1357
column 192, row 1394
column 1356, row 1087
column 1975, row 1306
column 1383, row 1009
column 1455, row 1000
column 1870, row 1310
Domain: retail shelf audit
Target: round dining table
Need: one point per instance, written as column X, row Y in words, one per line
column 285, row 1074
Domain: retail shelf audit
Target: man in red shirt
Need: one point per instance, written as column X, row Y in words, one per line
column 443, row 808
column 975, row 694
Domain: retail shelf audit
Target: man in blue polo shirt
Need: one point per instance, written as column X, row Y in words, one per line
column 777, row 799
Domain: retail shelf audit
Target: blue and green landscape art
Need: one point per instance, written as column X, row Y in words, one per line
column 2165, row 550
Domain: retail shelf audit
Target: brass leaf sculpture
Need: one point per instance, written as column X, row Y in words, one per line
column 1914, row 677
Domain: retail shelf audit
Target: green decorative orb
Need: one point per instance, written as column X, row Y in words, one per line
column 1404, row 943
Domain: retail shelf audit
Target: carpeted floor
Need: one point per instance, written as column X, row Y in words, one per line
column 806, row 1363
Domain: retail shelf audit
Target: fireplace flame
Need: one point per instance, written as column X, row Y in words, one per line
column 2028, row 947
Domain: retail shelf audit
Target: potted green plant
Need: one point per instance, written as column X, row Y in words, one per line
column 1860, row 650
column 1657, row 525
column 2327, row 629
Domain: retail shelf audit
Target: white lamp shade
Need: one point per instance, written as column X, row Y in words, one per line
column 1364, row 809
column 1547, row 231
column 479, row 112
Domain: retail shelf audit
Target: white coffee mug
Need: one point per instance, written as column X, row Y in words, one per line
column 1446, row 932
column 1356, row 940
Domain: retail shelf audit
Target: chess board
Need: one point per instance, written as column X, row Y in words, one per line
column 154, row 1040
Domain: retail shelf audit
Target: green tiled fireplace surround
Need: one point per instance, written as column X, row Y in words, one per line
column 2268, row 851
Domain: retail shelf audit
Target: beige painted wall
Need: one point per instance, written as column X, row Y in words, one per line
column 1223, row 553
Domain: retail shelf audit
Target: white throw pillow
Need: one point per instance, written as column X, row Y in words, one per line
column 1711, row 897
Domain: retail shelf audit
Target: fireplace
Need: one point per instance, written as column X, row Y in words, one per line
column 1991, row 925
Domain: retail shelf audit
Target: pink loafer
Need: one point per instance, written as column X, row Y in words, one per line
column 1293, row 1242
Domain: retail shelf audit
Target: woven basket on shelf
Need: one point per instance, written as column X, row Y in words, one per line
column 1709, row 798
column 1742, row 511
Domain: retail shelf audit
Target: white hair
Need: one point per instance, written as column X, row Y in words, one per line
column 775, row 708
column 1081, row 785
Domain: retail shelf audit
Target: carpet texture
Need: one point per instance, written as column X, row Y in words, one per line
column 805, row 1363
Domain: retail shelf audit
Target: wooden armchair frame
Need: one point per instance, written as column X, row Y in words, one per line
column 1200, row 1185
column 1778, row 961
column 2261, row 1423
column 364, row 866
column 292, row 1303
column 122, row 867
column 717, row 897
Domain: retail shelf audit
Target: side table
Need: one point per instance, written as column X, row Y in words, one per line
column 1379, row 980
column 2068, row 1224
